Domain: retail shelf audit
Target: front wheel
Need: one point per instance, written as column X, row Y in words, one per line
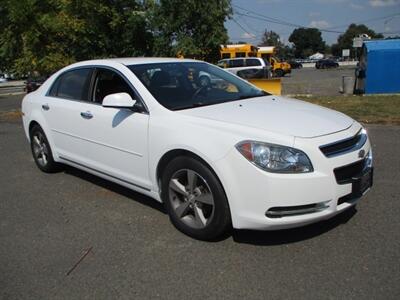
column 195, row 199
column 41, row 151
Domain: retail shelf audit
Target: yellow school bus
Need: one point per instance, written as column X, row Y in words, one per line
column 278, row 68
column 239, row 50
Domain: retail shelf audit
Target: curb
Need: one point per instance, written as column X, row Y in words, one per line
column 12, row 94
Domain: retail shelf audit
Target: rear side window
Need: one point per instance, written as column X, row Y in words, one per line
column 236, row 63
column 253, row 62
column 72, row 85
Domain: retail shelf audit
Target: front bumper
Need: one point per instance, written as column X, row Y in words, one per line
column 270, row 201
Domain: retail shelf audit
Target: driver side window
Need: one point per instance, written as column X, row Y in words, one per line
column 109, row 82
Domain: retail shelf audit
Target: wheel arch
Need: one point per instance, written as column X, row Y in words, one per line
column 31, row 124
column 174, row 153
column 36, row 119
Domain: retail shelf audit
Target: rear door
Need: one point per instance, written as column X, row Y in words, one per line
column 67, row 98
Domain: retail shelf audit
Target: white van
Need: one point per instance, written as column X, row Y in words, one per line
column 247, row 67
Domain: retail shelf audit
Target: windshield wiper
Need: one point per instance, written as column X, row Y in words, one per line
column 253, row 96
column 193, row 105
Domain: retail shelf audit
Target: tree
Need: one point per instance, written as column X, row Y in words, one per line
column 45, row 35
column 191, row 28
column 307, row 41
column 271, row 38
column 345, row 40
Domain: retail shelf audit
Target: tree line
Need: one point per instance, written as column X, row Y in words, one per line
column 45, row 35
column 307, row 41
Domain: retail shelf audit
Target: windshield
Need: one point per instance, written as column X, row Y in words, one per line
column 182, row 85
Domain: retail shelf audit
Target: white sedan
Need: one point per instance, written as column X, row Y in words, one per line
column 219, row 154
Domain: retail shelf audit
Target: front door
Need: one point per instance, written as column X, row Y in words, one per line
column 116, row 139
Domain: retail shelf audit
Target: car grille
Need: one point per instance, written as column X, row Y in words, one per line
column 345, row 174
column 344, row 146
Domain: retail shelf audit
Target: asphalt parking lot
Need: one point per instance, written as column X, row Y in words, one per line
column 312, row 81
column 48, row 222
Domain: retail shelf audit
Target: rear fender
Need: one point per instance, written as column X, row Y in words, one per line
column 37, row 117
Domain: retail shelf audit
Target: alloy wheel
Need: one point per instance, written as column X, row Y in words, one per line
column 191, row 198
column 40, row 149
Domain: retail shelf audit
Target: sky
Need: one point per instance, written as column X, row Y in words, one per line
column 252, row 17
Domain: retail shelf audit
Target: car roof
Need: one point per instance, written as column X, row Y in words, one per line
column 127, row 61
column 236, row 58
column 146, row 60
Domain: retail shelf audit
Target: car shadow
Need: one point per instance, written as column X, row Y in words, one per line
column 253, row 237
column 288, row 236
column 120, row 116
column 116, row 188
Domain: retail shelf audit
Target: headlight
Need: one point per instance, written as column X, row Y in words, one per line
column 275, row 158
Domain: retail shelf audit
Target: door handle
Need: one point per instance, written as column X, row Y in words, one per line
column 45, row 107
column 86, row 115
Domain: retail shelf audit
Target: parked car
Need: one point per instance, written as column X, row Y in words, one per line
column 247, row 68
column 295, row 65
column 326, row 64
column 34, row 82
column 217, row 156
column 2, row 78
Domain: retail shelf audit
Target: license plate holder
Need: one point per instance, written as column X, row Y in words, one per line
column 362, row 183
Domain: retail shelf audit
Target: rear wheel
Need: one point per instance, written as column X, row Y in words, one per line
column 195, row 199
column 41, row 151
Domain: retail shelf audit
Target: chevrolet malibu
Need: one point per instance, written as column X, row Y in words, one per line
column 219, row 153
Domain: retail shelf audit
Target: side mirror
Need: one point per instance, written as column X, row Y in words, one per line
column 118, row 100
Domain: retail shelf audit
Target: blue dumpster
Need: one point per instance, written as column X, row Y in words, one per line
column 381, row 63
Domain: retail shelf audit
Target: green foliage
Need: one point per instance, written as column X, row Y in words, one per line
column 307, row 41
column 190, row 28
column 271, row 38
column 45, row 35
column 345, row 40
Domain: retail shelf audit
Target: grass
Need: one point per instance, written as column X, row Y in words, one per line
column 377, row 109
column 10, row 116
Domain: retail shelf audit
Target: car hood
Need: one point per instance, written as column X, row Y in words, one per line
column 276, row 114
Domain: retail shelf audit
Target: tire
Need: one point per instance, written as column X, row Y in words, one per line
column 279, row 73
column 41, row 151
column 200, row 209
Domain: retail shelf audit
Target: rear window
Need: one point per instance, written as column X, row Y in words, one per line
column 253, row 62
column 72, row 85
